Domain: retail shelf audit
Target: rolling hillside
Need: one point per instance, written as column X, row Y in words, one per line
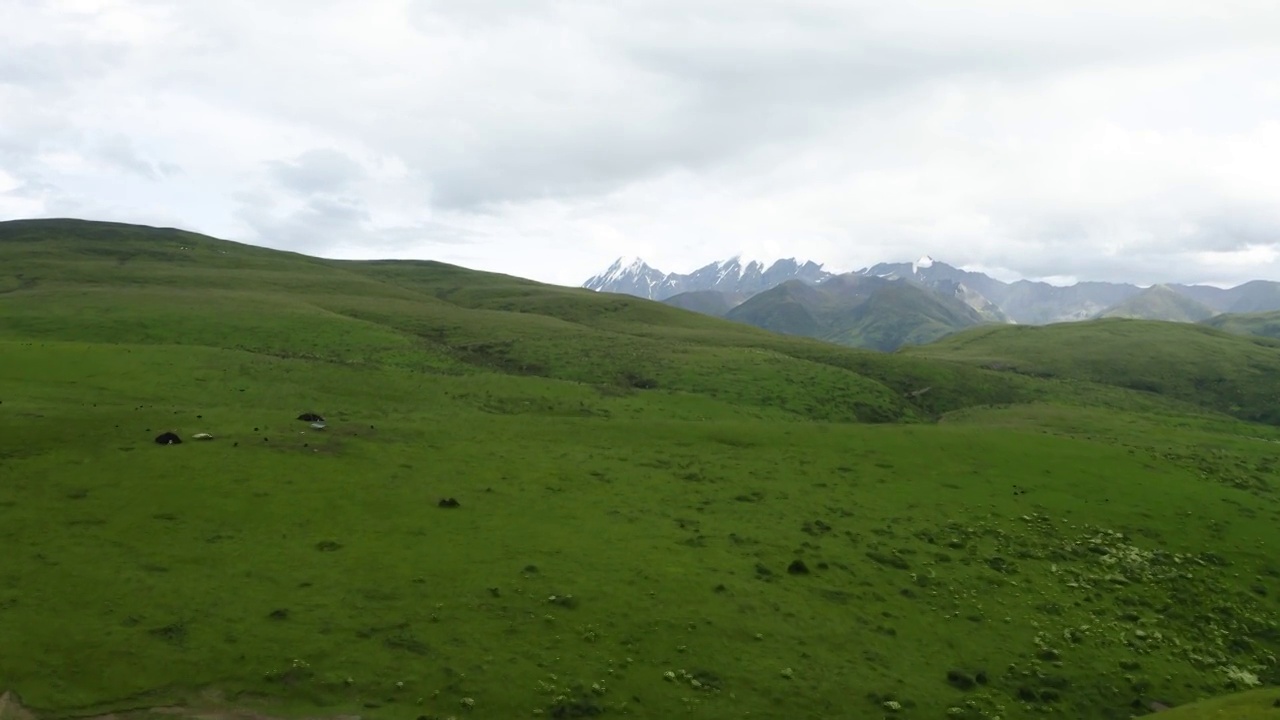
column 1160, row 302
column 1193, row 363
column 1263, row 324
column 536, row 501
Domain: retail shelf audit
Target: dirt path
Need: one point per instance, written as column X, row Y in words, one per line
column 11, row 709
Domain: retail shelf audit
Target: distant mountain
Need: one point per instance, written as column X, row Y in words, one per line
column 1160, row 302
column 859, row 311
column 633, row 276
column 1253, row 296
column 1262, row 324
column 1025, row 302
column 727, row 287
column 707, row 302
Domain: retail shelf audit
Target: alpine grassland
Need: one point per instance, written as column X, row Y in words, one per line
column 536, row 501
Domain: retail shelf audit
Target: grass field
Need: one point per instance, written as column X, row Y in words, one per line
column 661, row 514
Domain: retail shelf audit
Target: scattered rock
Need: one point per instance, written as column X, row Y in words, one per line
column 202, row 436
column 797, row 567
column 960, row 679
column 448, row 503
column 318, row 426
column 279, row 614
column 328, row 545
column 310, row 417
column 168, row 439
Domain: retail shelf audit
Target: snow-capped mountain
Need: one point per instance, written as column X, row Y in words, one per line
column 728, row 283
column 633, row 276
column 630, row 276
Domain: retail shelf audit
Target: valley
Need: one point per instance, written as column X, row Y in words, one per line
column 658, row 513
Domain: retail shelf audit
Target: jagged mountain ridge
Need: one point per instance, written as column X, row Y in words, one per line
column 1023, row 302
column 632, row 276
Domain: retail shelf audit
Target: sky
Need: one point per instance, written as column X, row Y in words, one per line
column 1123, row 140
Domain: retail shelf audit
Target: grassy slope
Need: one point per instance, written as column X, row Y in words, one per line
column 1192, row 363
column 1263, row 324
column 1040, row 520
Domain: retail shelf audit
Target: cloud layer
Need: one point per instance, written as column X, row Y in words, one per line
column 1128, row 140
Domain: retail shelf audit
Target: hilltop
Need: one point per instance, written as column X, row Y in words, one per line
column 527, row 500
column 1160, row 302
column 1192, row 363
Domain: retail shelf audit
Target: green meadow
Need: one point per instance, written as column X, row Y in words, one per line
column 660, row 514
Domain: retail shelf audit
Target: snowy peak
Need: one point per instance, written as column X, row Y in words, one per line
column 925, row 262
column 632, row 276
column 629, row 275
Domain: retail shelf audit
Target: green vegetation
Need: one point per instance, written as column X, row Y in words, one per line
column 1160, row 302
column 661, row 514
column 1264, row 324
column 1190, row 363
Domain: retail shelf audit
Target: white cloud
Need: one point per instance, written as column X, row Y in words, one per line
column 1111, row 140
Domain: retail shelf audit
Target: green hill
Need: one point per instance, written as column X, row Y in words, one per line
column 857, row 311
column 1159, row 302
column 1262, row 324
column 1192, row 363
column 658, row 513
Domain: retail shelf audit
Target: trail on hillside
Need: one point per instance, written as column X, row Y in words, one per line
column 11, row 708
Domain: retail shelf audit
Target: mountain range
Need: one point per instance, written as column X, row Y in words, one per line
column 889, row 305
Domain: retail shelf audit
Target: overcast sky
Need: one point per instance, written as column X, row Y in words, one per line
column 1101, row 139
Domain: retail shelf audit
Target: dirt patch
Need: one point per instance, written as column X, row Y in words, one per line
column 11, row 709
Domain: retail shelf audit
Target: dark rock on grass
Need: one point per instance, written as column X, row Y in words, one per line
column 531, row 569
column 893, row 561
column 960, row 679
column 575, row 709
column 980, row 677
column 763, row 572
column 310, row 417
column 1026, row 694
column 279, row 614
column 168, row 439
column 1050, row 696
column 328, row 545
column 1276, row 704
column 797, row 567
column 448, row 503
